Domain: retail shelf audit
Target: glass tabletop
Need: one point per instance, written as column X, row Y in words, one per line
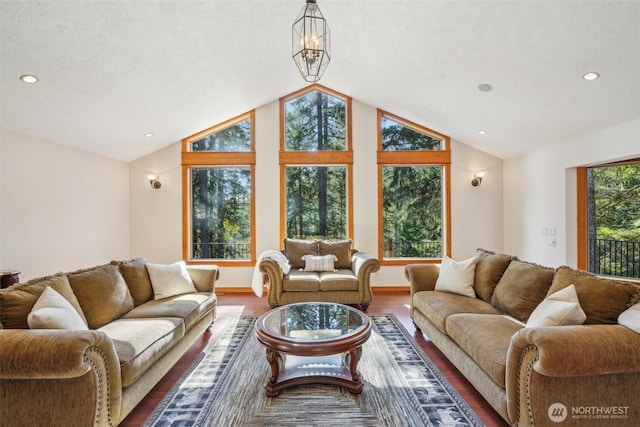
column 313, row 321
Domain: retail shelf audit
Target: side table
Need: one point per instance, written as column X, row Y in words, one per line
column 8, row 278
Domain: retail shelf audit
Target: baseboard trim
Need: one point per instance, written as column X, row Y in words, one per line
column 247, row 290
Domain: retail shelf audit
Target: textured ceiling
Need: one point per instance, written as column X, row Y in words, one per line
column 112, row 70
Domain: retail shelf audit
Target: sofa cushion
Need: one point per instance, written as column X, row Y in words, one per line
column 522, row 287
column 170, row 280
column 341, row 280
column 17, row 301
column 489, row 270
column 301, row 281
column 457, row 276
column 53, row 311
column 559, row 309
column 319, row 262
column 601, row 299
column 139, row 343
column 137, row 278
column 437, row 306
column 295, row 249
column 340, row 248
column 188, row 307
column 486, row 338
column 102, row 294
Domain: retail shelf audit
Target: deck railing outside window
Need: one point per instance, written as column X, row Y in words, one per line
column 614, row 257
column 222, row 251
column 412, row 249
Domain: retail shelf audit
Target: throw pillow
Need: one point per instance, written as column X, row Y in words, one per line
column 522, row 287
column 489, row 270
column 170, row 280
column 137, row 278
column 601, row 299
column 319, row 263
column 18, row 300
column 295, row 249
column 340, row 248
column 631, row 318
column 558, row 309
column 53, row 311
column 457, row 276
column 102, row 293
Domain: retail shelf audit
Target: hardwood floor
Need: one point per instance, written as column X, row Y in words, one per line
column 383, row 302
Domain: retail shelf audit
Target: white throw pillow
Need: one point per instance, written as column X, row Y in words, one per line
column 319, row 262
column 53, row 311
column 457, row 276
column 170, row 280
column 631, row 318
column 558, row 309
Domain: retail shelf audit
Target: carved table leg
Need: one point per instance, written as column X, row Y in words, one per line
column 354, row 358
column 274, row 361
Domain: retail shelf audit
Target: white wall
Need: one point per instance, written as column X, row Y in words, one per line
column 540, row 192
column 60, row 208
column 156, row 218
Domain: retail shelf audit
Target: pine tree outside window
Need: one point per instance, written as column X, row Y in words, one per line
column 413, row 190
column 316, row 164
column 218, row 193
column 609, row 208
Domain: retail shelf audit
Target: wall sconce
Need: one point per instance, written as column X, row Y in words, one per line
column 154, row 181
column 477, row 179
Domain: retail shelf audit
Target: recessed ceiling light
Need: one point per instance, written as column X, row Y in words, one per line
column 591, row 75
column 484, row 87
column 29, row 78
column 148, row 134
column 482, row 132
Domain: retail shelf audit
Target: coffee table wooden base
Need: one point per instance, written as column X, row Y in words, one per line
column 289, row 370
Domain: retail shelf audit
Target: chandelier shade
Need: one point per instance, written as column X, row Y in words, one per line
column 311, row 45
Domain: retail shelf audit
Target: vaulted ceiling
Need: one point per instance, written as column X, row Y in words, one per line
column 113, row 70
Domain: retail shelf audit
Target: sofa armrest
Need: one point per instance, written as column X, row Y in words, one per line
column 363, row 265
column 274, row 280
column 421, row 277
column 204, row 277
column 77, row 373
column 581, row 350
column 578, row 366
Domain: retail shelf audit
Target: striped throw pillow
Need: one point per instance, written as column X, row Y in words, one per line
column 319, row 263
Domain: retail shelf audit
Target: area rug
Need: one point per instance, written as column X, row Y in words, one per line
column 225, row 387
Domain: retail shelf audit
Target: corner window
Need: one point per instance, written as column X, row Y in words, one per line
column 609, row 243
column 413, row 170
column 218, row 193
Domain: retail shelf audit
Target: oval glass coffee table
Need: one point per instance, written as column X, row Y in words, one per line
column 308, row 343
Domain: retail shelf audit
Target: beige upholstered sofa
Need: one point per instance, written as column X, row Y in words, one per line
column 572, row 375
column 347, row 281
column 95, row 375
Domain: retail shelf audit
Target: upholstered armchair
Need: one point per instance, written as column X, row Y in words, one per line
column 319, row 270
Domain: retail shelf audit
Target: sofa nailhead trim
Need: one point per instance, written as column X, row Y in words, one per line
column 90, row 356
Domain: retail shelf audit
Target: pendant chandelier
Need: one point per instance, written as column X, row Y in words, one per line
column 311, row 42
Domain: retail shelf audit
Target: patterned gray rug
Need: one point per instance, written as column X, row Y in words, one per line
column 224, row 387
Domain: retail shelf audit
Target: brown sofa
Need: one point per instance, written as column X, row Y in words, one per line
column 579, row 375
column 346, row 283
column 95, row 377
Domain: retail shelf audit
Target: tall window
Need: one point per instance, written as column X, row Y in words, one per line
column 413, row 191
column 610, row 211
column 218, row 193
column 316, row 164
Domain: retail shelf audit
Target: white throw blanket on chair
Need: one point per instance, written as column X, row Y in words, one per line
column 256, row 282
